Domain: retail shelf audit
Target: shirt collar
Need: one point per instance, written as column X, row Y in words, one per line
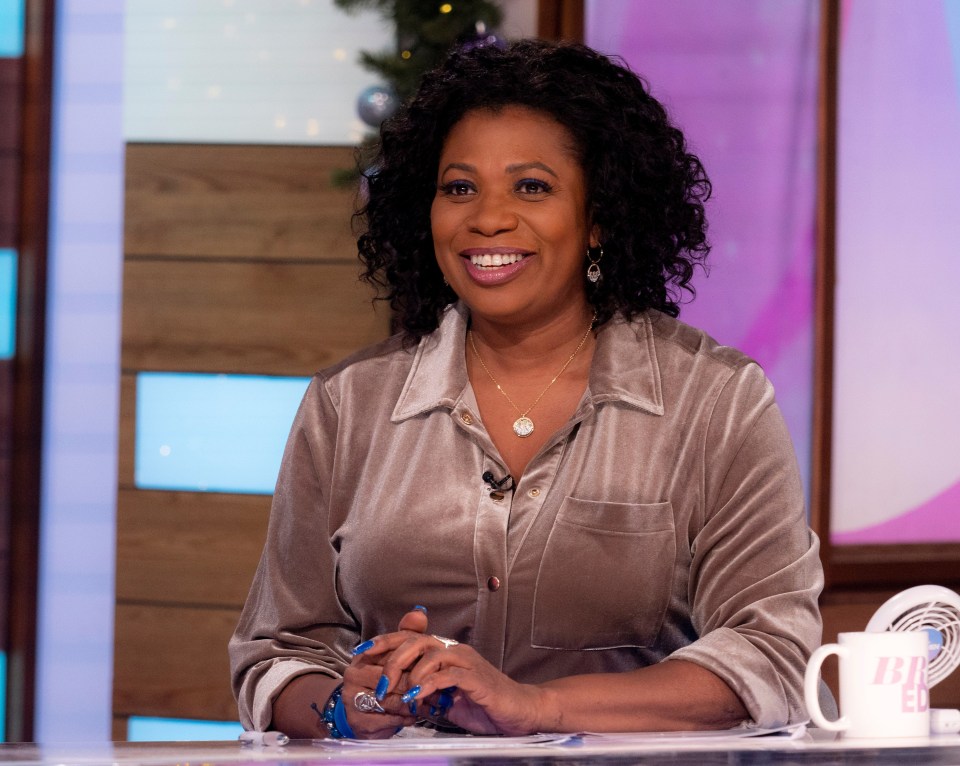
column 624, row 367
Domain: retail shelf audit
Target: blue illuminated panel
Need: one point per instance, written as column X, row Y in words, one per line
column 3, row 696
column 11, row 28
column 8, row 301
column 212, row 433
column 180, row 730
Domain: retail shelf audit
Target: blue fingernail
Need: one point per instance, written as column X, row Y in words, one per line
column 382, row 685
column 433, row 710
column 444, row 702
column 419, row 608
column 361, row 648
column 413, row 707
column 411, row 693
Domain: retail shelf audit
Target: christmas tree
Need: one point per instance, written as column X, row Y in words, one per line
column 426, row 30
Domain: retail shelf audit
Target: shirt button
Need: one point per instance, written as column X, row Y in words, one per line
column 493, row 583
column 534, row 492
column 467, row 418
column 496, row 496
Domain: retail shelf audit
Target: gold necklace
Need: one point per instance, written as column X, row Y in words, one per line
column 523, row 426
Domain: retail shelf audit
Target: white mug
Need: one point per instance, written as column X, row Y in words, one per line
column 883, row 685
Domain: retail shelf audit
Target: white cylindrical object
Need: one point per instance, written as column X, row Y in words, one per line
column 883, row 685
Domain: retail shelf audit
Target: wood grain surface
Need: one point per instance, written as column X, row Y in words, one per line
column 238, row 259
column 186, row 548
column 171, row 661
column 245, row 316
column 275, row 202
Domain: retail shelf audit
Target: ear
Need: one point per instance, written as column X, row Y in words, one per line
column 594, row 236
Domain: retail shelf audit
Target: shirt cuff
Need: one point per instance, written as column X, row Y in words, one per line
column 746, row 669
column 271, row 683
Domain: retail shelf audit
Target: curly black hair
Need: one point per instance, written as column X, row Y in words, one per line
column 645, row 191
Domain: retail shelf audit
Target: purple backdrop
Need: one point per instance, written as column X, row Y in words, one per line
column 896, row 470
column 739, row 77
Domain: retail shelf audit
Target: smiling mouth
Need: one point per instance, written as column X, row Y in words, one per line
column 492, row 261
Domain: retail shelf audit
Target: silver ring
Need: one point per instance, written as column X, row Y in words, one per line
column 366, row 702
column 447, row 642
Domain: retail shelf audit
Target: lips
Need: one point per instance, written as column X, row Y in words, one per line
column 494, row 265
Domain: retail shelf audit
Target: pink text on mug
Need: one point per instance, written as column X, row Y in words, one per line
column 910, row 674
column 883, row 684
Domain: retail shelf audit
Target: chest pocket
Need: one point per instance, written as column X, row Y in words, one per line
column 605, row 576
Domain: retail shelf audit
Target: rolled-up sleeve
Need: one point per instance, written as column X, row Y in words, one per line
column 293, row 621
column 755, row 574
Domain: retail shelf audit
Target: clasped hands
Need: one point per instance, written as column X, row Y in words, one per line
column 412, row 675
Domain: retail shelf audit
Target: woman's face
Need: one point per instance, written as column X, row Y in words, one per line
column 509, row 219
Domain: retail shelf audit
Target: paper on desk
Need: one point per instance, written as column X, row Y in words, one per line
column 794, row 731
column 415, row 738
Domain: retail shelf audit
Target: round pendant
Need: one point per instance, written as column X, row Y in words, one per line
column 523, row 426
column 593, row 273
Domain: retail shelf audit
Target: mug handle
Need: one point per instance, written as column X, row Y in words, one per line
column 811, row 687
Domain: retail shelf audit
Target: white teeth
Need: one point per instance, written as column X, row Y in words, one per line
column 492, row 261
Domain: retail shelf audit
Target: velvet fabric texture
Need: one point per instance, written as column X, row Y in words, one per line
column 664, row 521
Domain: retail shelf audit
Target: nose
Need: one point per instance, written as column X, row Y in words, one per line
column 493, row 214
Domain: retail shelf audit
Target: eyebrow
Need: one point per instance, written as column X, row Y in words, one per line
column 521, row 166
column 530, row 166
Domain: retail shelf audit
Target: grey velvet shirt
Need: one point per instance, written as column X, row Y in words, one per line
column 664, row 521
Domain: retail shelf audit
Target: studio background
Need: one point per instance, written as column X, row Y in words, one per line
column 200, row 255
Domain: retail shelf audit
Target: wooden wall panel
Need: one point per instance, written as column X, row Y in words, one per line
column 211, row 557
column 172, row 661
column 126, row 431
column 275, row 202
column 560, row 20
column 6, row 464
column 11, row 83
column 9, row 169
column 118, row 728
column 10, row 94
column 239, row 259
column 268, row 317
column 10, row 152
column 31, row 122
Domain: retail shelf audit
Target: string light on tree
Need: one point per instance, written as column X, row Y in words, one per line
column 425, row 32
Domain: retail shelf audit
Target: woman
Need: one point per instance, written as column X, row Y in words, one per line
column 598, row 504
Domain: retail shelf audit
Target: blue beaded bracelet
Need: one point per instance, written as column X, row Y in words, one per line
column 334, row 716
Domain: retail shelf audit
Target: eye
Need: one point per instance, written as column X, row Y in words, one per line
column 458, row 188
column 533, row 187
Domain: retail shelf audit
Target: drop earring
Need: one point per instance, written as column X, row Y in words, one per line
column 593, row 270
